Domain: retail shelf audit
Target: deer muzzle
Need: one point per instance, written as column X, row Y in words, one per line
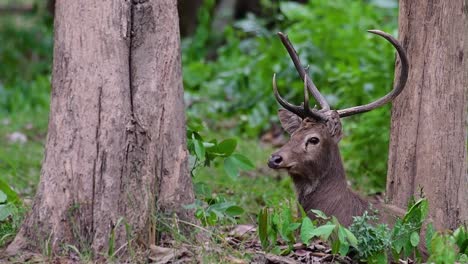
column 275, row 161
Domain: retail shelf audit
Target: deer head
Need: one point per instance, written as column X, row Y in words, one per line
column 311, row 156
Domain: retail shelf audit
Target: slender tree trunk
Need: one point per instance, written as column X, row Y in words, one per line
column 116, row 140
column 429, row 120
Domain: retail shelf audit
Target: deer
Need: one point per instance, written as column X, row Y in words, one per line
column 312, row 156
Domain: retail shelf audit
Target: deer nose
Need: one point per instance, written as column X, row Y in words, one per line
column 275, row 161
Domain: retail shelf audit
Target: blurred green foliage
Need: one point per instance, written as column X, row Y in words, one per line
column 25, row 66
column 232, row 92
column 25, row 61
column 227, row 78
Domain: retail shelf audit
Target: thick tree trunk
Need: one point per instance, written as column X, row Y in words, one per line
column 116, row 140
column 429, row 120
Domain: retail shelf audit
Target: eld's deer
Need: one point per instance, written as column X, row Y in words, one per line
column 312, row 156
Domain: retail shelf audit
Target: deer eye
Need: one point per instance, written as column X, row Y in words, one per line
column 313, row 141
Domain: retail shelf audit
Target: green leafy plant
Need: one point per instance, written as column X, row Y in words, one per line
column 204, row 153
column 277, row 222
column 213, row 210
column 448, row 247
column 373, row 240
column 6, row 208
column 11, row 212
column 349, row 66
column 405, row 233
column 369, row 242
column 273, row 223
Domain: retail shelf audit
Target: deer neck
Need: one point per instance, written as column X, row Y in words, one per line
column 326, row 189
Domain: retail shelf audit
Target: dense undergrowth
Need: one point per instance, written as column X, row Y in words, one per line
column 230, row 105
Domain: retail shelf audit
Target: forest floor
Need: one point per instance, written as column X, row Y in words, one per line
column 21, row 151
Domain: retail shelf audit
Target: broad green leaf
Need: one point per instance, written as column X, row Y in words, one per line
column 414, row 239
column 274, row 225
column 335, row 246
column 306, row 230
column 227, row 146
column 202, row 189
column 461, row 239
column 351, row 237
column 208, row 144
column 417, row 212
column 3, row 197
column 293, row 226
column 5, row 211
column 294, row 11
column 199, row 149
column 301, row 209
column 212, row 218
column 12, row 196
column 344, row 248
column 430, row 231
column 219, row 214
column 234, row 210
column 379, row 258
column 442, row 250
column 341, row 234
column 285, row 221
column 319, row 214
column 221, row 206
column 343, row 245
column 242, row 162
column 323, row 231
column 230, row 167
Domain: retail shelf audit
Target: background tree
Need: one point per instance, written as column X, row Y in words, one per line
column 428, row 133
column 116, row 138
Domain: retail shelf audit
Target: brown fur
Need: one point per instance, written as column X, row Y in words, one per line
column 317, row 170
column 318, row 173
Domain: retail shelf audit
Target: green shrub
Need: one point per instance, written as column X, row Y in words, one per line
column 350, row 67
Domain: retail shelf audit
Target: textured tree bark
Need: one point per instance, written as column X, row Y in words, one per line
column 429, row 120
column 116, row 140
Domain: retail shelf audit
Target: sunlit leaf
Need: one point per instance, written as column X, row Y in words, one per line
column 294, row 10
column 230, row 167
column 199, row 149
column 3, row 197
column 307, row 228
column 234, row 210
column 226, row 146
column 6, row 210
column 242, row 162
column 319, row 214
column 414, row 239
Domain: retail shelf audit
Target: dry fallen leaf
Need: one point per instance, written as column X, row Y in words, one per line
column 163, row 255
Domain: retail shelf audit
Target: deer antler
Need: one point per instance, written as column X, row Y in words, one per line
column 302, row 73
column 398, row 88
column 302, row 111
column 305, row 111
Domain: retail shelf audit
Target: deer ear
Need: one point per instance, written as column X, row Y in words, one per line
column 289, row 121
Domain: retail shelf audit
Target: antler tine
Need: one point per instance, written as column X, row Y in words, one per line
column 288, row 106
column 303, row 111
column 398, row 88
column 306, row 98
column 311, row 112
column 302, row 73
